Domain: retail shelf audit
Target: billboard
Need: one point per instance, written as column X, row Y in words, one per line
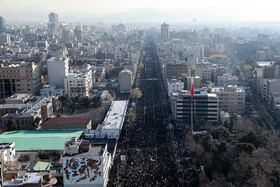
column 82, row 170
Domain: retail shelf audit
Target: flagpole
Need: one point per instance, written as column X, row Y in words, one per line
column 191, row 118
column 192, row 90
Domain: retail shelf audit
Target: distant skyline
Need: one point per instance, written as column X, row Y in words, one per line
column 118, row 10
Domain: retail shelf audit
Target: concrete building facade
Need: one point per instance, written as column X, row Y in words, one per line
column 231, row 98
column 19, row 77
column 58, row 70
column 205, row 106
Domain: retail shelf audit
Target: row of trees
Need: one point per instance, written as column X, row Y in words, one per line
column 13, row 126
column 80, row 102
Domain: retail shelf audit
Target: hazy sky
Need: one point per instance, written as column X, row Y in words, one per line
column 246, row 10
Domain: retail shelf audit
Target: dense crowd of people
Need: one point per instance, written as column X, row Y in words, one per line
column 147, row 159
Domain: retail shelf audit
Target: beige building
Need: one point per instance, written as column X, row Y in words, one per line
column 231, row 98
column 17, row 99
column 19, row 77
column 196, row 82
column 177, row 70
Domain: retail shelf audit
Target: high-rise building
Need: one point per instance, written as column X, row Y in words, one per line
column 57, row 71
column 78, row 34
column 125, row 80
column 65, row 35
column 2, row 24
column 53, row 21
column 205, row 106
column 165, row 32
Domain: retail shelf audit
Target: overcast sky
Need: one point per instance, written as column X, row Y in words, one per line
column 235, row 10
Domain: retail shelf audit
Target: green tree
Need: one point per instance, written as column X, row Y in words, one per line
column 263, row 112
column 141, row 65
column 85, row 101
column 136, row 93
column 245, row 147
column 65, row 101
column 131, row 117
column 255, row 138
column 12, row 125
column 220, row 133
column 36, row 122
column 248, row 108
column 96, row 101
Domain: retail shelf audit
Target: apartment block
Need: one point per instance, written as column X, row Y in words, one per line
column 231, row 98
column 19, row 77
column 79, row 83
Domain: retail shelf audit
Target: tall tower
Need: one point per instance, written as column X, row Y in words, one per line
column 165, row 32
column 2, row 25
column 78, row 34
column 53, row 21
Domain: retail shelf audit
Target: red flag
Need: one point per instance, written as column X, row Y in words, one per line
column 192, row 90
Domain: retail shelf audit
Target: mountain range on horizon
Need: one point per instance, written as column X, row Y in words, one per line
column 137, row 15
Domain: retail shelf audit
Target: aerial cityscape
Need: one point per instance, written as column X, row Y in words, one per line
column 129, row 93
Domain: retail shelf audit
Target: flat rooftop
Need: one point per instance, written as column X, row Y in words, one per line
column 95, row 150
column 15, row 106
column 70, row 120
column 115, row 115
column 39, row 140
column 264, row 63
column 19, row 96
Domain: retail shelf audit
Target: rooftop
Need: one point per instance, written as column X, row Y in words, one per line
column 39, row 140
column 16, row 106
column 94, row 150
column 228, row 88
column 264, row 63
column 197, row 93
column 19, row 96
column 115, row 115
column 38, row 166
column 60, row 120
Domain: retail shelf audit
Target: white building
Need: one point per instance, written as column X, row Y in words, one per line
column 58, row 69
column 125, row 80
column 79, row 83
column 112, row 124
column 174, row 85
column 7, row 151
column 51, row 91
column 93, row 159
column 227, row 80
column 205, row 106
